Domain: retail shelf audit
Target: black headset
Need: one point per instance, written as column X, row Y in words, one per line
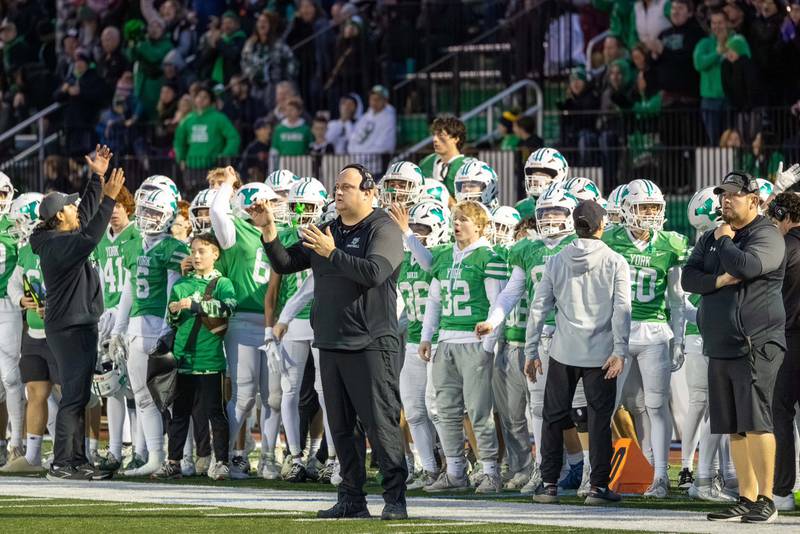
column 749, row 179
column 367, row 181
column 776, row 211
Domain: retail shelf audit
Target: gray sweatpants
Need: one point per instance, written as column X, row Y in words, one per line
column 510, row 390
column 462, row 378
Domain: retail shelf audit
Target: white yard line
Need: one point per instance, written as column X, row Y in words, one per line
column 448, row 510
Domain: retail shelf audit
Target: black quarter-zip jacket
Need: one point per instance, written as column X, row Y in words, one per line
column 355, row 289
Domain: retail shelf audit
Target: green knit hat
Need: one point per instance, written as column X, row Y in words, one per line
column 738, row 44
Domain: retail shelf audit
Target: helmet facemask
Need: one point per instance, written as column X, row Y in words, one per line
column 554, row 221
column 537, row 180
column 305, row 213
column 150, row 220
column 397, row 190
column 421, row 232
column 200, row 218
column 280, row 208
column 503, row 234
column 647, row 216
column 6, row 198
column 470, row 190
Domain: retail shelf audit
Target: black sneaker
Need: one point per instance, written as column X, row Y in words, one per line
column 94, row 473
column 602, row 497
column 685, row 478
column 296, row 474
column 761, row 511
column 168, row 471
column 343, row 509
column 82, row 473
column 394, row 511
column 546, row 494
column 735, row 513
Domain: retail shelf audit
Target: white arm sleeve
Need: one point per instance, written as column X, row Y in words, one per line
column 676, row 304
column 221, row 219
column 15, row 288
column 124, row 307
column 508, row 298
column 689, row 311
column 418, row 250
column 433, row 311
column 493, row 289
column 298, row 301
column 544, row 300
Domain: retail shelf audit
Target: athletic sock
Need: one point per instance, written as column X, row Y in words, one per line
column 297, row 459
column 456, row 465
column 34, row 453
column 575, row 458
column 313, row 448
column 93, row 444
column 489, row 467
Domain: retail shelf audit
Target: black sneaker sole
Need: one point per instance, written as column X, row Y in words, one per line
column 599, row 501
column 735, row 519
column 54, row 478
column 545, row 499
column 394, row 517
column 760, row 519
column 359, row 515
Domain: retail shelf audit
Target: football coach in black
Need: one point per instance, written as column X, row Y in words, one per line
column 355, row 261
column 64, row 241
column 738, row 269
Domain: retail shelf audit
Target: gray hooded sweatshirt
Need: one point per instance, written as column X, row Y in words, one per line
column 589, row 286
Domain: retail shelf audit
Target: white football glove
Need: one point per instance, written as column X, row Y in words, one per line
column 784, row 179
column 274, row 358
column 677, row 354
column 106, row 323
column 118, row 349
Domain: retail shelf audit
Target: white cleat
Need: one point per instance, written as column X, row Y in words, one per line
column 188, row 468
column 659, row 489
column 153, row 464
column 536, row 478
column 784, row 504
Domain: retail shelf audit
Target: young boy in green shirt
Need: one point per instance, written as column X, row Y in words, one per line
column 199, row 354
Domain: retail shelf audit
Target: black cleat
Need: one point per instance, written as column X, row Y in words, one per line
column 345, row 510
column 761, row 511
column 546, row 494
column 602, row 497
column 735, row 513
column 394, row 511
column 685, row 479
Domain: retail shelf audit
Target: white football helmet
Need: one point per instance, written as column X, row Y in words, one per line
column 614, row 207
column 24, row 214
column 582, row 189
column 155, row 211
column 430, row 222
column 108, row 378
column 203, row 200
column 281, row 181
column 554, row 209
column 765, row 188
column 705, row 211
column 307, row 199
column 7, row 190
column 249, row 194
column 329, row 212
column 477, row 181
column 543, row 167
column 434, row 190
column 401, row 184
column 157, row 181
column 504, row 221
column 643, row 206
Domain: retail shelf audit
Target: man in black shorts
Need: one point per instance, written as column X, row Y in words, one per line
column 738, row 269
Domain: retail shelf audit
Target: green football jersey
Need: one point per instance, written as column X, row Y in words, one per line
column 649, row 268
column 413, row 285
column 526, row 207
column 110, row 255
column 8, row 255
column 29, row 262
column 149, row 274
column 247, row 266
column 432, row 167
column 691, row 328
column 463, row 294
column 291, row 283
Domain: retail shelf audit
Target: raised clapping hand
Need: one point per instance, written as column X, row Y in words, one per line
column 113, row 185
column 320, row 242
column 262, row 217
column 102, row 157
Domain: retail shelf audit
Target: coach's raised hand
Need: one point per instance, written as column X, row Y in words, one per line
column 262, row 217
column 102, row 157
column 113, row 185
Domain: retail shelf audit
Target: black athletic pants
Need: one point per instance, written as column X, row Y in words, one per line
column 75, row 352
column 787, row 393
column 204, row 394
column 365, row 385
column 556, row 414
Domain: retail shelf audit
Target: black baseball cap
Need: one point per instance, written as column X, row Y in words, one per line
column 588, row 216
column 54, row 202
column 737, row 182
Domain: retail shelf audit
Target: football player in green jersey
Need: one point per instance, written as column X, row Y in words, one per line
column 449, row 135
column 244, row 262
column 401, row 183
column 288, row 339
column 705, row 214
column 477, row 181
column 154, row 266
column 281, row 181
column 37, row 367
column 512, row 390
column 656, row 348
column 114, row 251
column 466, row 278
column 504, row 224
column 543, row 167
column 10, row 325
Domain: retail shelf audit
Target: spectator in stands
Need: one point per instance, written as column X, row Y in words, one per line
column 179, row 25
column 112, row 129
column 525, row 128
column 766, row 46
column 672, row 57
column 111, row 61
column 617, row 96
column 649, row 20
column 619, row 14
column 347, row 74
column 175, row 72
column 707, row 57
column 339, row 130
column 375, row 133
column 578, row 121
column 219, row 52
column 742, row 87
column 165, row 126
column 242, row 108
column 82, row 95
column 790, row 36
column 202, row 137
column 640, row 57
column 46, row 31
column 764, row 157
column 66, row 60
column 257, row 152
column 88, row 31
column 738, row 21
column 284, row 92
column 319, row 145
column 505, row 130
column 292, row 136
column 56, row 170
column 730, row 138
column 315, row 56
column 16, row 51
column 148, row 54
column 266, row 59
column 449, row 136
column 613, row 50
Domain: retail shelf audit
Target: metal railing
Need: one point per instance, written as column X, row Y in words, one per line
column 39, row 119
